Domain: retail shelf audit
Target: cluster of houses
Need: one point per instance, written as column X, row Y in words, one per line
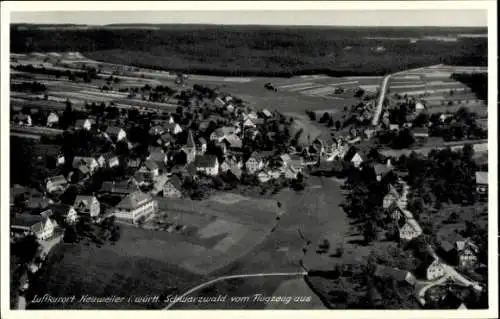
column 175, row 151
column 44, row 222
column 463, row 253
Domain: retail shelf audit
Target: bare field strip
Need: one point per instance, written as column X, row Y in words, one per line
column 296, row 85
column 305, row 88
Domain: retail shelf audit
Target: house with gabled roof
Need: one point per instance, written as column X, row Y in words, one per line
column 87, row 205
column 172, row 128
column 86, row 165
column 25, row 224
column 158, row 184
column 61, row 213
column 116, row 134
column 135, row 206
column 157, row 155
column 249, row 123
column 157, row 130
column 222, row 132
column 233, row 143
column 173, row 187
column 353, row 156
column 266, row 113
column 22, row 119
column 150, row 167
column 467, row 253
column 410, row 230
column 83, row 124
column 166, row 139
column 56, row 184
column 255, row 162
column 108, row 160
column 207, row 164
column 430, row 269
column 381, row 170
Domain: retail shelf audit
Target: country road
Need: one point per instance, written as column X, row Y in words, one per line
column 208, row 283
column 381, row 98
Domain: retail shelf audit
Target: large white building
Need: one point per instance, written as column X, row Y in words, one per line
column 135, row 206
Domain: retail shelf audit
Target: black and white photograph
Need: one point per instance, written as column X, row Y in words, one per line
column 215, row 158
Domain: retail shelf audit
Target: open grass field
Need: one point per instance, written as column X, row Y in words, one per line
column 142, row 272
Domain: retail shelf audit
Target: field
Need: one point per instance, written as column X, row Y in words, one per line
column 434, row 86
column 263, row 50
column 140, row 257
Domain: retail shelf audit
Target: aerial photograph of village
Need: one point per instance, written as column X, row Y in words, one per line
column 220, row 165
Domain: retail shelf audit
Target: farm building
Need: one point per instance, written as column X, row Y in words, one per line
column 24, row 224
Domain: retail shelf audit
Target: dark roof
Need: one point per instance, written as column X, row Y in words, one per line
column 60, row 209
column 150, row 165
column 134, row 200
column 350, row 153
column 446, row 245
column 122, row 187
column 207, row 160
column 157, row 154
column 381, row 169
column 26, row 220
column 113, row 130
column 167, row 137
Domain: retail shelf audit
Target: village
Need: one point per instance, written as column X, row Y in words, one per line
column 117, row 165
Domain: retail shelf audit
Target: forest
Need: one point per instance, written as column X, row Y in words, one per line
column 257, row 50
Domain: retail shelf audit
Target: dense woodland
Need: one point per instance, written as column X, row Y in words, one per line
column 478, row 82
column 246, row 50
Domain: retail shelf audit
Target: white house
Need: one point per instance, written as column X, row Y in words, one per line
column 254, row 163
column 83, row 124
column 207, row 164
column 62, row 211
column 135, row 206
column 354, row 157
column 263, row 177
column 434, row 270
column 410, row 230
column 116, row 133
column 248, row 123
column 41, row 227
column 87, row 205
column 150, row 167
column 52, row 119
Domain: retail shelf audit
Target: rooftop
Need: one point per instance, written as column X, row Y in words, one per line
column 134, row 200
